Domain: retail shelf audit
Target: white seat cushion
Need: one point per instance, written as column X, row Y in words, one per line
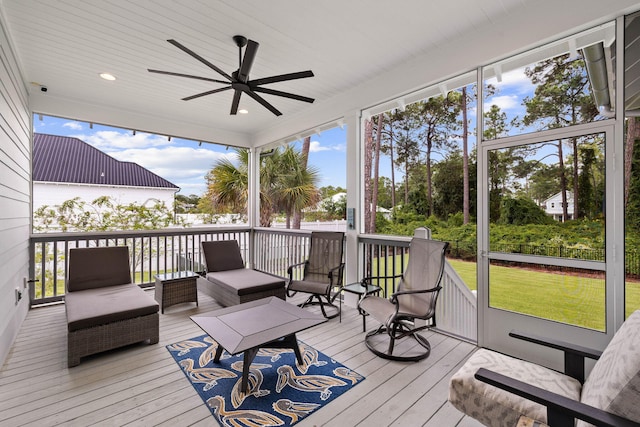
column 494, row 407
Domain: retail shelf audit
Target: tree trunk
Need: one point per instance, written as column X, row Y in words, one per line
column 265, row 214
column 376, row 173
column 297, row 215
column 465, row 159
column 406, row 182
column 574, row 143
column 563, row 182
column 368, row 142
column 633, row 134
column 429, row 184
column 393, row 175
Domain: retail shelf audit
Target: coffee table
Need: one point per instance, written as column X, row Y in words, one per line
column 265, row 323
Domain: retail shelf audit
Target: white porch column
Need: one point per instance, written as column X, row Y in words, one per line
column 354, row 197
column 253, row 201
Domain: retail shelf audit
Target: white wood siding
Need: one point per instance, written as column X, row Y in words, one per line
column 15, row 192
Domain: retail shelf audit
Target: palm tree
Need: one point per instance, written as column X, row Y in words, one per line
column 227, row 185
column 284, row 184
column 296, row 184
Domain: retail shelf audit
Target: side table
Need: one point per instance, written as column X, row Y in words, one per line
column 362, row 290
column 175, row 288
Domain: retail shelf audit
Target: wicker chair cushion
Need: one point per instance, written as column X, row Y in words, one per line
column 244, row 281
column 222, row 255
column 494, row 407
column 91, row 268
column 94, row 307
column 614, row 382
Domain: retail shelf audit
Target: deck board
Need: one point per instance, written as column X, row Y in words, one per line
column 141, row 385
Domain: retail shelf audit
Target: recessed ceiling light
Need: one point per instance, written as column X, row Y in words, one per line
column 243, row 111
column 107, row 76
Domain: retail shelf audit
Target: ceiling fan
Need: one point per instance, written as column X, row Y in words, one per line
column 239, row 79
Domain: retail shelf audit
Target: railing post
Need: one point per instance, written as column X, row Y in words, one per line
column 422, row 232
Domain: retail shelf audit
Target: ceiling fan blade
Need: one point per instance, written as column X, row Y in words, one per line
column 283, row 94
column 189, row 76
column 236, row 102
column 209, row 92
column 200, row 58
column 282, row 78
column 262, row 101
column 247, row 62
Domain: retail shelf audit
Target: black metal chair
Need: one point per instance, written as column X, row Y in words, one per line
column 415, row 299
column 323, row 271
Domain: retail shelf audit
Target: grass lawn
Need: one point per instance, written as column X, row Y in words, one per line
column 576, row 300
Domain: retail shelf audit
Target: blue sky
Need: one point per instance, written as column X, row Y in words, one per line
column 185, row 162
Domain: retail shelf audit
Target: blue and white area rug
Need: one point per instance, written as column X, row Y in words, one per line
column 279, row 391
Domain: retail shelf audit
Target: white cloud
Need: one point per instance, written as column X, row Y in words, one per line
column 73, row 125
column 183, row 166
column 315, row 147
column 505, row 102
column 514, row 81
column 107, row 140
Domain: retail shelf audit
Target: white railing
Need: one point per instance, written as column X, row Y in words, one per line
column 456, row 310
column 151, row 252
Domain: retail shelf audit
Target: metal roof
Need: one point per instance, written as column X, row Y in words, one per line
column 65, row 159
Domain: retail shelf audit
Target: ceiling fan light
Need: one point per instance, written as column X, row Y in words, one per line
column 243, row 111
column 108, row 76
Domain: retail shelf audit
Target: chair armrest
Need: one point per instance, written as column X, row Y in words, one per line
column 561, row 411
column 416, row 291
column 292, row 266
column 338, row 276
column 395, row 295
column 574, row 355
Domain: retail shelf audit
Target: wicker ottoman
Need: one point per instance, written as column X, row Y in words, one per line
column 175, row 288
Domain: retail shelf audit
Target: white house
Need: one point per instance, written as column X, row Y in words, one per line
column 65, row 168
column 553, row 206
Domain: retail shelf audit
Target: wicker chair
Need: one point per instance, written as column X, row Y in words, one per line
column 104, row 309
column 323, row 271
column 415, row 298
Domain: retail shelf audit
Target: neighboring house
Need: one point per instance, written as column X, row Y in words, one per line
column 322, row 205
column 65, row 168
column 553, row 206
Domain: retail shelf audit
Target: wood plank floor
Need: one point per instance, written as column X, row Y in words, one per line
column 142, row 385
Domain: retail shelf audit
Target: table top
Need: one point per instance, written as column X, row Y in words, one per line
column 176, row 275
column 359, row 288
column 251, row 324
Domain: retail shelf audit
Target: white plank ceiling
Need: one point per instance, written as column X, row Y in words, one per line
column 65, row 44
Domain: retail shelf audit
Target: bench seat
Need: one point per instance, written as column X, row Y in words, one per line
column 233, row 287
column 95, row 307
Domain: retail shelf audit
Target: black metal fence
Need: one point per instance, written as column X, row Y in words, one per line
column 467, row 250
